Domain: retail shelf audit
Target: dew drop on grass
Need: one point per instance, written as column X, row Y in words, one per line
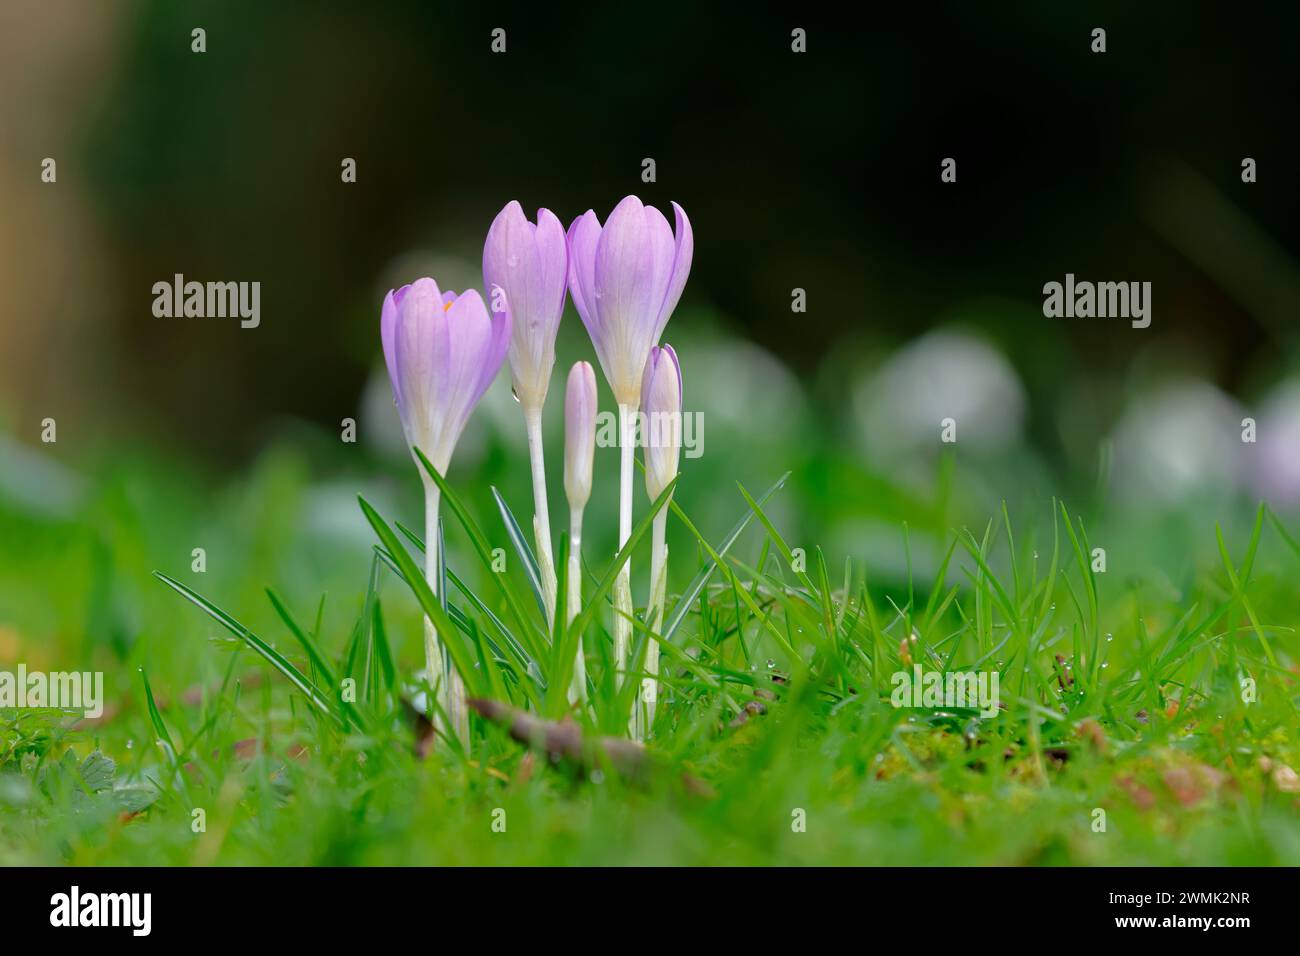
column 770, row 663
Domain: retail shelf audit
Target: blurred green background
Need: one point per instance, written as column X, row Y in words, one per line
column 817, row 171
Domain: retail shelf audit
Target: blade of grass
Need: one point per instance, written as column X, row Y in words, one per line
column 516, row 535
column 449, row 635
column 701, row 579
column 528, row 630
column 266, row 651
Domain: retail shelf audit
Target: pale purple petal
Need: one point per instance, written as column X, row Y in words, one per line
column 552, row 248
column 682, row 257
column 624, row 267
column 494, row 247
column 583, row 235
column 419, row 317
column 663, row 253
column 579, row 433
column 510, row 261
column 657, row 374
column 470, row 331
column 388, row 336
column 661, row 401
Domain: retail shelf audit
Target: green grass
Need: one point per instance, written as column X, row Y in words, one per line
column 1122, row 691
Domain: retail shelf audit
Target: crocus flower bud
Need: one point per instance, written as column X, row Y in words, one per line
column 625, row 279
column 525, row 272
column 579, row 434
column 661, row 404
column 442, row 352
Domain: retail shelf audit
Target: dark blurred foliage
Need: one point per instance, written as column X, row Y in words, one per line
column 819, row 171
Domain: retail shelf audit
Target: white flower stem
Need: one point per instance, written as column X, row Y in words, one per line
column 623, row 583
column 573, row 603
column 649, row 696
column 445, row 680
column 541, row 513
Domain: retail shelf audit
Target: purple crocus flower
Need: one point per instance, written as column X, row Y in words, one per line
column 442, row 352
column 579, row 434
column 528, row 264
column 625, row 279
column 579, row 452
column 526, row 267
column 661, row 404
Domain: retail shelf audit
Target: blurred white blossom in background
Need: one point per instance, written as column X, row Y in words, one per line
column 1177, row 441
column 948, row 373
column 1275, row 467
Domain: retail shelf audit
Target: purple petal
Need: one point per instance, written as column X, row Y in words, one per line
column 662, row 255
column 509, row 259
column 624, row 269
column 677, row 367
column 685, row 251
column 388, row 335
column 553, row 250
column 494, row 248
column 583, row 236
column 419, row 326
column 470, row 331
